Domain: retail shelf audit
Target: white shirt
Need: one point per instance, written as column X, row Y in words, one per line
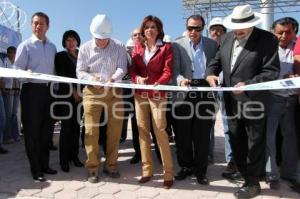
column 237, row 48
column 150, row 53
column 105, row 63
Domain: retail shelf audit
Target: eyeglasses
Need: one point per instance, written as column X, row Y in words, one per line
column 196, row 28
column 136, row 34
column 150, row 27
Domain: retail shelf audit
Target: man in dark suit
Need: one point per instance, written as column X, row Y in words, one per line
column 246, row 55
column 193, row 120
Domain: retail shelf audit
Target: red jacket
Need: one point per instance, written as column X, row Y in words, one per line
column 159, row 69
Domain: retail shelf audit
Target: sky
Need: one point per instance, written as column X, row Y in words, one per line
column 124, row 14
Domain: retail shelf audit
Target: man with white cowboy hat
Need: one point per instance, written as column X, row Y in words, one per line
column 216, row 29
column 247, row 55
column 102, row 59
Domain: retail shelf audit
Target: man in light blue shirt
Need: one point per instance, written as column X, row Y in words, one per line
column 37, row 55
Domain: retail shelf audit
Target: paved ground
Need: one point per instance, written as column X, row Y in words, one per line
column 16, row 181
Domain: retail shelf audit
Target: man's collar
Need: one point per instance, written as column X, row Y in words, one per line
column 35, row 39
column 199, row 43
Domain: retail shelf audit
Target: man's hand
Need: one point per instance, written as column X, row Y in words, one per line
column 185, row 82
column 141, row 80
column 95, row 78
column 76, row 97
column 212, row 80
column 239, row 85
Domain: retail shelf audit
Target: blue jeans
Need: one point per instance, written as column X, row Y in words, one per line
column 2, row 118
column 282, row 112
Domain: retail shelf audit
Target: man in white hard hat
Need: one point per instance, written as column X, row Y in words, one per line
column 247, row 55
column 102, row 59
column 216, row 29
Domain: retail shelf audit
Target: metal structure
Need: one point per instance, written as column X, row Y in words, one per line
column 213, row 8
column 12, row 16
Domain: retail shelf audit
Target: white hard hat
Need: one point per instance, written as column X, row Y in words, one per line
column 215, row 21
column 101, row 27
column 130, row 43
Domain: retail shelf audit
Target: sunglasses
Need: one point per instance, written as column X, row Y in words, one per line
column 196, row 28
column 136, row 34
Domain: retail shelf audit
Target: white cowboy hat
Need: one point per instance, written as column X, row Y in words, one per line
column 242, row 17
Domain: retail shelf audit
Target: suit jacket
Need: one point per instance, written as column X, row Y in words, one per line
column 258, row 62
column 158, row 69
column 183, row 64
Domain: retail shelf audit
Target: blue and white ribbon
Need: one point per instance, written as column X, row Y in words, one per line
column 290, row 83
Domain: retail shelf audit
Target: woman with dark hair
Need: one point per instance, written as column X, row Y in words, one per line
column 152, row 65
column 69, row 98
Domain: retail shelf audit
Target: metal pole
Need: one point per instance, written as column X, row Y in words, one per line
column 18, row 20
column 267, row 11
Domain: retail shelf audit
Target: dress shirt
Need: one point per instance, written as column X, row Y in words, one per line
column 199, row 60
column 36, row 55
column 286, row 57
column 104, row 63
column 237, row 48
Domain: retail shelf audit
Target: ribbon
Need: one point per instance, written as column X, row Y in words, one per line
column 290, row 83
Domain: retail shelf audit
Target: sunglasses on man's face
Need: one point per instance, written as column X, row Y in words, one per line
column 196, row 28
column 136, row 34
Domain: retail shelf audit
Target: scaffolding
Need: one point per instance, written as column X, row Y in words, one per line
column 11, row 16
column 221, row 8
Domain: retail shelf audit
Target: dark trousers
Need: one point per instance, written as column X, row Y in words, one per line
column 192, row 135
column 247, row 139
column 128, row 104
column 69, row 133
column 37, row 124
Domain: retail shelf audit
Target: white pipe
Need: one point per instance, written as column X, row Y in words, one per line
column 267, row 11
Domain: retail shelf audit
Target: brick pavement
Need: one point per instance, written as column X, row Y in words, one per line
column 16, row 181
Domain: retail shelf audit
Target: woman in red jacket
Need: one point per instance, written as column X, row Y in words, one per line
column 152, row 65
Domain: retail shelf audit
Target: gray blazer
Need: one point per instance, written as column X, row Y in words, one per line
column 182, row 61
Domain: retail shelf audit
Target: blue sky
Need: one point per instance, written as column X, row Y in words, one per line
column 125, row 15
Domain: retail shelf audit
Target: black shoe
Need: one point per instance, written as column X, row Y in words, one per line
column 273, row 183
column 112, row 173
column 248, row 191
column 183, row 173
column 53, row 148
column 77, row 163
column 135, row 159
column 235, row 176
column 3, row 151
column 296, row 187
column 231, row 167
column 202, row 179
column 65, row 167
column 39, row 177
column 49, row 171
